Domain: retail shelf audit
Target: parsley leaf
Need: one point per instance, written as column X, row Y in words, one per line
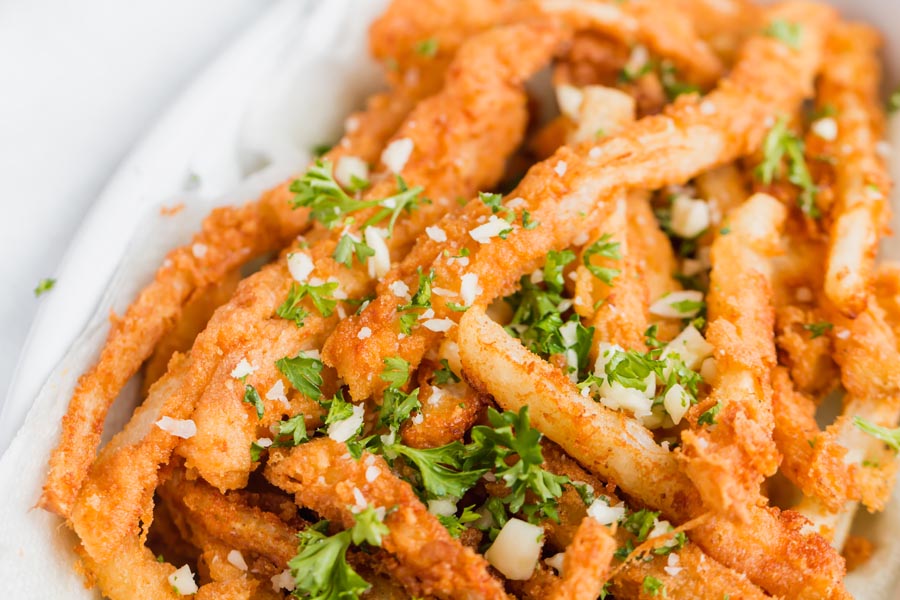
column 818, row 329
column 492, row 201
column 427, row 48
column 420, row 301
column 511, row 435
column 445, row 374
column 251, row 396
column 653, row 586
column 292, row 432
column 674, row 87
column 347, row 246
column 320, row 567
column 44, row 286
column 368, row 528
column 329, row 203
column 304, row 373
column 782, row 144
column 440, row 468
column 338, row 408
column 456, row 525
column 607, row 249
column 396, row 372
column 709, row 417
column 640, row 523
column 397, row 406
column 891, row 437
column 321, row 296
column 894, row 101
column 786, row 32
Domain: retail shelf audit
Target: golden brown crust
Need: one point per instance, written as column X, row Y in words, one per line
column 850, row 83
column 323, row 476
column 668, row 148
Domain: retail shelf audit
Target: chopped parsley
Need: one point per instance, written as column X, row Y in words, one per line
column 396, row 372
column 420, row 301
column 44, row 286
column 320, row 295
column 893, row 104
column 607, row 249
column 304, row 373
column 653, row 586
column 891, row 437
column 510, row 435
column 338, row 408
column 709, row 416
column 320, row 567
column 780, row 145
column 320, row 150
column 492, row 201
column 347, row 246
column 456, row 525
column 251, row 396
column 329, row 204
column 427, row 47
column 292, row 431
column 785, row 32
column 818, row 329
column 674, row 87
column 445, row 374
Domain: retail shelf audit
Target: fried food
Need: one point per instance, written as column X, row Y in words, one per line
column 602, row 378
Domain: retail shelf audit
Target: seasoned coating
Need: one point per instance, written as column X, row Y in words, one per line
column 812, row 460
column 660, row 26
column 448, row 412
column 691, row 576
column 771, row 548
column 230, row 520
column 132, row 573
column 729, row 460
column 325, row 478
column 232, row 236
column 485, row 104
column 690, row 137
column 193, row 319
column 850, row 82
column 586, row 563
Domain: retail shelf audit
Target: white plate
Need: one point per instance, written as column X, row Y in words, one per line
column 283, row 87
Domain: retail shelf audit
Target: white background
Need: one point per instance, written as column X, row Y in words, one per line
column 80, row 82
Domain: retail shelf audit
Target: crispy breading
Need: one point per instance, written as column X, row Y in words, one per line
column 193, row 319
column 690, row 137
column 325, row 478
column 448, row 412
column 232, row 236
column 692, row 575
column 811, row 460
column 486, row 106
column 728, row 461
column 660, row 26
column 132, row 573
column 850, row 83
column 586, row 563
column 770, row 548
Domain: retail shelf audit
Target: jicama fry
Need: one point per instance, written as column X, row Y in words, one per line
column 770, row 548
column 193, row 319
column 231, row 237
column 586, row 562
column 661, row 27
column 728, row 461
column 850, row 83
column 325, row 478
column 484, row 101
column 691, row 136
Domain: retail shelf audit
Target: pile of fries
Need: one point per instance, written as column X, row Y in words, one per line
column 498, row 354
